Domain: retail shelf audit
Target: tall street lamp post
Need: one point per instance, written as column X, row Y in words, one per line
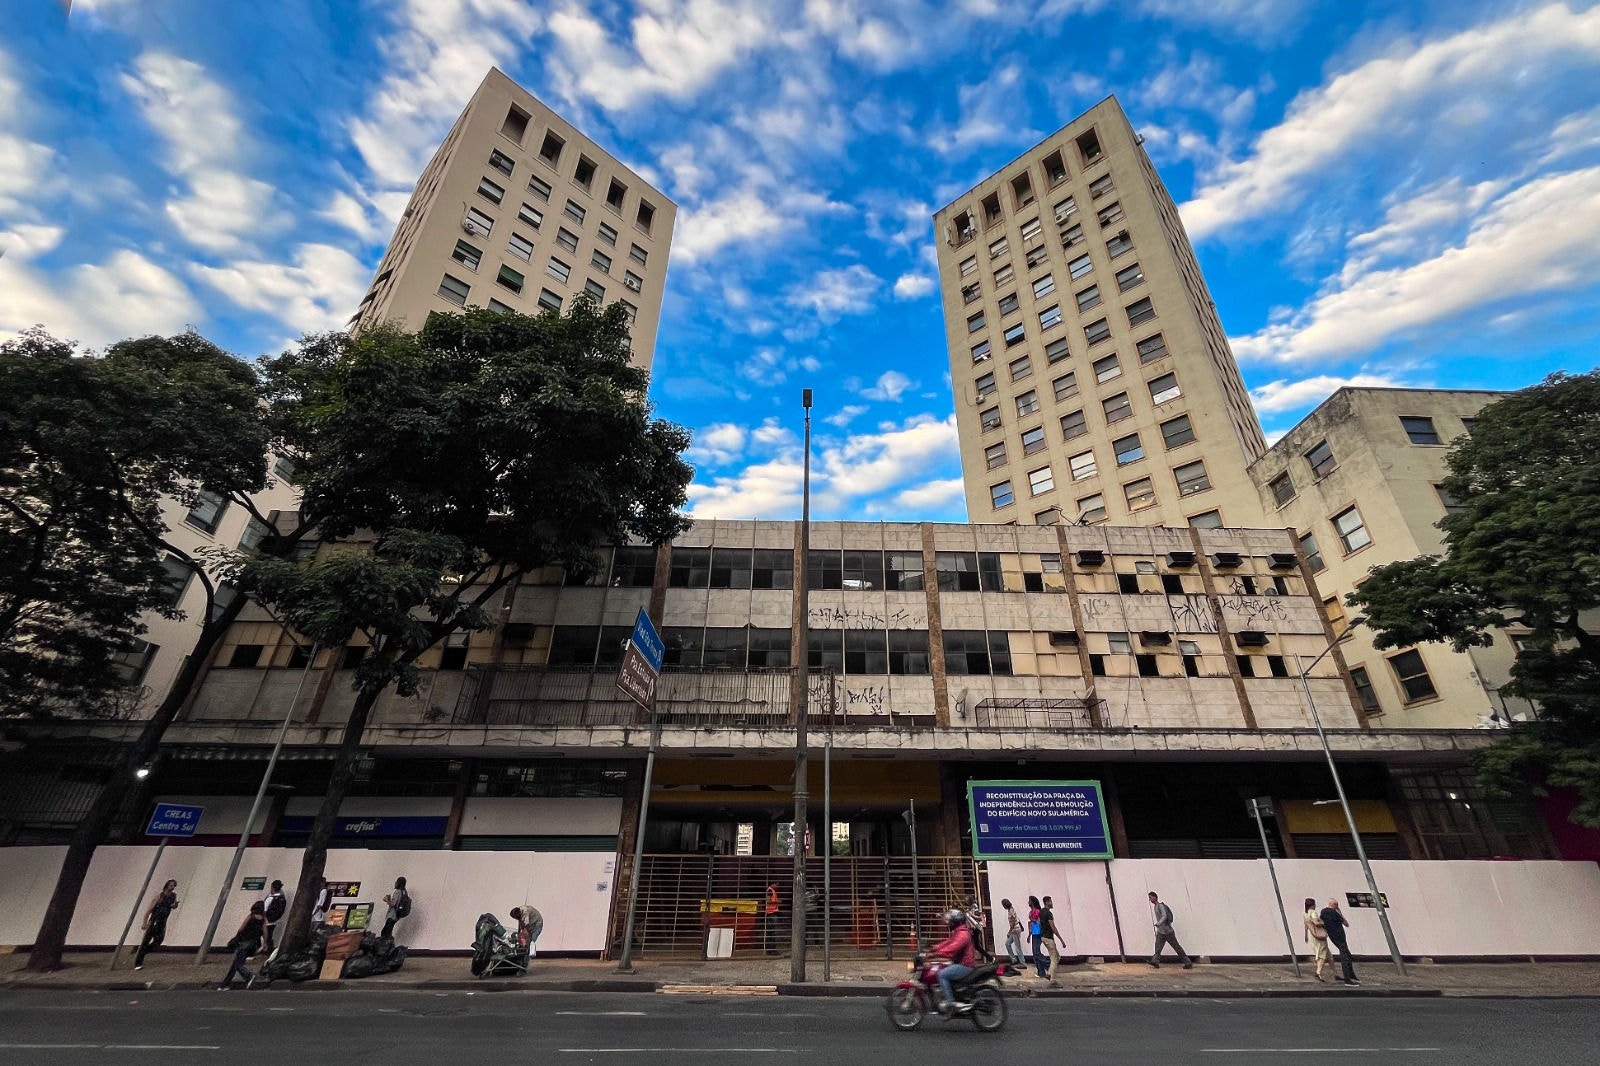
column 798, row 697
column 1344, row 803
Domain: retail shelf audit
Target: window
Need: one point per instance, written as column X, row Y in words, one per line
column 478, row 222
column 206, row 512
column 516, row 124
column 1110, row 213
column 998, row 248
column 1352, row 531
column 975, row 322
column 1117, row 408
column 1364, row 690
column 1129, row 277
column 980, row 351
column 1164, row 388
column 976, row 652
column 1177, row 432
column 969, row 265
column 690, row 568
column 1313, row 554
column 638, row 254
column 1412, row 673
column 1050, row 317
column 1322, row 461
column 558, row 270
column 1014, row 335
column 530, row 216
column 1119, row 245
column 600, row 261
column 490, row 191
column 574, row 211
column 595, row 291
column 995, row 455
column 1080, row 266
column 584, row 174
column 1097, row 331
column 549, row 300
column 1128, row 449
column 467, row 255
column 1001, row 496
column 1420, row 430
column 990, row 418
column 1206, row 520
column 1451, row 504
column 1028, row 403
column 1191, row 478
column 540, row 188
column 567, row 239
column 1140, row 311
column 1082, row 466
column 1031, row 228
column 1054, row 168
column 1008, row 304
column 550, row 149
column 646, row 217
column 608, row 233
column 1152, row 348
column 1092, row 508
column 1065, row 210
column 1088, row 298
column 177, row 573
column 283, row 467
column 1044, row 287
column 1056, row 350
column 971, row 294
column 1100, row 186
column 1021, row 367
column 866, row 651
column 1036, row 256
column 1140, row 494
column 501, row 162
column 903, row 571
column 1073, row 425
column 1107, row 368
column 1072, row 236
column 1041, row 480
column 1066, row 385
column 1089, row 147
column 454, row 289
column 1003, row 275
column 510, row 279
column 984, row 384
column 499, row 308
column 629, row 310
column 1282, row 488
column 1469, row 425
column 632, row 281
column 520, row 246
column 614, row 194
column 1033, row 441
column 132, row 665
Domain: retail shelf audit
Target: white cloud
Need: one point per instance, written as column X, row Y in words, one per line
column 890, row 387
column 317, row 291
column 1540, row 238
column 846, row 414
column 938, row 501
column 720, row 443
column 831, row 294
column 94, row 303
column 1283, row 395
column 992, row 112
column 772, row 366
column 1441, row 99
column 913, row 286
column 367, row 220
column 27, row 168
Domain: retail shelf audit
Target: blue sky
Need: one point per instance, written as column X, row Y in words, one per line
column 1384, row 194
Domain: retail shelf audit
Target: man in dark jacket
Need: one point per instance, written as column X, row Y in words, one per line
column 1335, row 923
column 275, row 905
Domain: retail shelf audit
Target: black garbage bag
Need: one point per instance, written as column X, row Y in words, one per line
column 397, row 958
column 363, row 966
column 300, row 967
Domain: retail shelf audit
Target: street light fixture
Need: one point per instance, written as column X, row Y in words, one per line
column 1338, row 785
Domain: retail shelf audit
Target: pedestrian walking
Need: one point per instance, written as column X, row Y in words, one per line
column 1317, row 937
column 977, row 924
column 1334, row 921
column 1161, row 918
column 769, row 920
column 399, row 902
column 155, row 921
column 1013, row 933
column 245, row 943
column 274, row 906
column 1034, row 932
column 1052, row 937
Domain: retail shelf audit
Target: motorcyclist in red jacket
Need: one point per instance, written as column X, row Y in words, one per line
column 959, row 950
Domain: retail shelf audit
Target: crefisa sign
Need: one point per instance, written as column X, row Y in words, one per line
column 1052, row 820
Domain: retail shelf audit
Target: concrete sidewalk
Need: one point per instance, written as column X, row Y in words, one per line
column 169, row 971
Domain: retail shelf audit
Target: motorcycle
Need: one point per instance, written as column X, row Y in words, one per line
column 978, row 996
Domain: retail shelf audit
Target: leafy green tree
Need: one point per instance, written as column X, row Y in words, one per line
column 1522, row 548
column 92, row 446
column 446, row 464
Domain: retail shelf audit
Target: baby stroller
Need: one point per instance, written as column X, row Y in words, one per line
column 495, row 952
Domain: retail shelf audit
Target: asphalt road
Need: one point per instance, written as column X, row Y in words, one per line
column 396, row 1028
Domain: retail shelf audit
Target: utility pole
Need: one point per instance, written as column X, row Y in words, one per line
column 799, row 697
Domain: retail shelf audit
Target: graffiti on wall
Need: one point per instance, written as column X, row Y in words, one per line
column 1192, row 614
column 862, row 618
column 1252, row 611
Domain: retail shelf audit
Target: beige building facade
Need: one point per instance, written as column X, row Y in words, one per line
column 518, row 210
column 1358, row 480
column 1093, row 381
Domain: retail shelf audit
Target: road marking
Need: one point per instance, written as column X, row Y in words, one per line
column 1309, row 1050
column 696, row 1050
column 110, row 1047
column 719, row 990
column 601, row 1014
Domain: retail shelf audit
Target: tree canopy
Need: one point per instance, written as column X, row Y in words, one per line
column 445, row 464
column 1522, row 549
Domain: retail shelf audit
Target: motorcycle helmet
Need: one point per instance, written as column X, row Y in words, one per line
column 954, row 918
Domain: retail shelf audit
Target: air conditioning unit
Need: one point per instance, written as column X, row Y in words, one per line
column 991, row 423
column 472, row 227
column 1180, row 558
column 1251, row 638
column 1226, row 560
column 1155, row 639
column 632, row 284
column 1091, row 557
column 982, row 396
column 1064, row 639
column 1283, row 561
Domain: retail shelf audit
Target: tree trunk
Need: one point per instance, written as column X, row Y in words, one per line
column 52, row 935
column 297, row 923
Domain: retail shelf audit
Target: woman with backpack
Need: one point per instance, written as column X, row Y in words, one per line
column 1040, row 963
column 399, row 902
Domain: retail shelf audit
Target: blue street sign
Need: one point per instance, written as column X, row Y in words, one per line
column 1038, row 820
column 174, row 820
column 648, row 641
